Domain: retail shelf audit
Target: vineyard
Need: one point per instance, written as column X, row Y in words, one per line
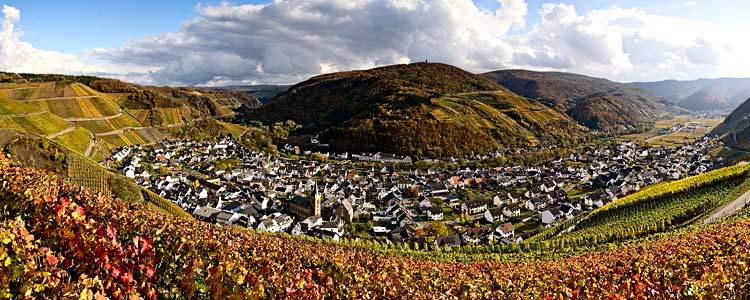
column 44, row 124
column 81, row 107
column 85, row 173
column 12, row 107
column 101, row 126
column 73, row 243
column 127, row 138
column 76, row 140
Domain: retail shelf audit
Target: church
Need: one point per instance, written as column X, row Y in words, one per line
column 301, row 206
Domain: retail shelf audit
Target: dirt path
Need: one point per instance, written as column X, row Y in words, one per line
column 64, row 131
column 24, row 114
column 92, row 142
column 59, row 98
column 93, row 118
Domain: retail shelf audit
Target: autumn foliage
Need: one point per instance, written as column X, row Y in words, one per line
column 61, row 241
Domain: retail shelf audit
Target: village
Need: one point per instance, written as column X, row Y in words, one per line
column 223, row 182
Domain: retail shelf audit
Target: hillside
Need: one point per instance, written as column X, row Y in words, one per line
column 736, row 128
column 93, row 116
column 590, row 101
column 264, row 92
column 721, row 94
column 63, row 235
column 418, row 109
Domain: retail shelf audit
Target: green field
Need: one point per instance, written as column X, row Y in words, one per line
column 235, row 130
column 44, row 124
column 76, row 140
column 127, row 138
column 12, row 107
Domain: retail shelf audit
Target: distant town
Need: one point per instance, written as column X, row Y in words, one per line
column 224, row 183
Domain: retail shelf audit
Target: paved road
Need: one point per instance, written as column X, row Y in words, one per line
column 728, row 209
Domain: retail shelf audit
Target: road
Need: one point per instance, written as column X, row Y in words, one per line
column 651, row 139
column 64, row 131
column 60, row 98
column 728, row 209
column 93, row 118
column 24, row 114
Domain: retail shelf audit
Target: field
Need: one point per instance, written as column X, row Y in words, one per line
column 12, row 107
column 86, row 173
column 101, row 126
column 76, row 140
column 40, row 91
column 235, row 130
column 158, row 117
column 44, row 124
column 101, row 150
column 684, row 136
column 80, row 107
column 128, row 138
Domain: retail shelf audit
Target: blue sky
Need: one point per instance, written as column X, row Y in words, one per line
column 213, row 42
column 75, row 25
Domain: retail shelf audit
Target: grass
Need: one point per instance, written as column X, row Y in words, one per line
column 76, row 140
column 235, row 130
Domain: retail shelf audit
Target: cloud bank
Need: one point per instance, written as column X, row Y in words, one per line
column 287, row 41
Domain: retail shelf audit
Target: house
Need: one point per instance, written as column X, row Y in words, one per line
column 494, row 215
column 512, row 210
column 515, row 196
column 475, row 235
column 206, row 213
column 474, row 206
column 506, row 230
column 345, row 211
column 447, row 242
column 435, row 213
column 438, row 189
column 498, row 201
column 550, row 216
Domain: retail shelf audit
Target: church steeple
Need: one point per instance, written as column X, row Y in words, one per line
column 316, row 202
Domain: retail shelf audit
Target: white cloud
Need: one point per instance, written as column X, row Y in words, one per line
column 16, row 55
column 689, row 3
column 291, row 40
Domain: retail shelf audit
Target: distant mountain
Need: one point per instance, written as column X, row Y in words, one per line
column 723, row 94
column 420, row 109
column 597, row 103
column 735, row 129
column 263, row 92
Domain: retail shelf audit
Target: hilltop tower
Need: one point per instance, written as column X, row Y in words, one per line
column 316, row 202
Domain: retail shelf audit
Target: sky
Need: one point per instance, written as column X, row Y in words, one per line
column 286, row 41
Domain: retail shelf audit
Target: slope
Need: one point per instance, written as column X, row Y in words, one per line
column 419, row 109
column 701, row 94
column 125, row 250
column 735, row 129
column 590, row 101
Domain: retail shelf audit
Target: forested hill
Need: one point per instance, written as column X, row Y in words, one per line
column 422, row 109
column 595, row 102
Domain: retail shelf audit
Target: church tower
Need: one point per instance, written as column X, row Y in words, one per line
column 316, row 202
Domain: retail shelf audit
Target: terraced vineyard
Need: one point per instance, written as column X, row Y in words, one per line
column 165, row 256
column 43, row 124
column 101, row 126
column 76, row 140
column 127, row 138
column 88, row 174
column 12, row 107
column 80, row 107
